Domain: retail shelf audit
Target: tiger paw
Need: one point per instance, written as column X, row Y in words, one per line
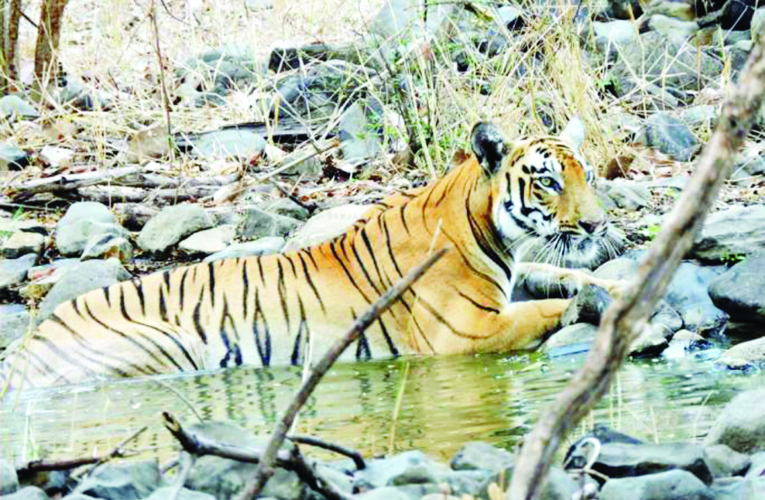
column 588, row 306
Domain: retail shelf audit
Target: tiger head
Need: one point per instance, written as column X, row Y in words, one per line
column 544, row 205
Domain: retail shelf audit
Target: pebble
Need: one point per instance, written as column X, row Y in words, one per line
column 259, row 224
column 14, row 271
column 22, row 243
column 262, row 246
column 209, row 241
column 171, row 225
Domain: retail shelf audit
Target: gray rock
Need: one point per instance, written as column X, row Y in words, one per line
column 287, row 208
column 338, row 479
column 670, row 485
column 386, row 493
column 571, row 339
column 740, row 291
column 741, row 425
column 228, row 67
column 618, row 460
column 687, row 294
column 259, row 224
column 262, row 246
column 611, row 35
column 13, row 107
column 27, row 493
column 410, row 467
column 670, row 136
column 12, row 158
column 621, row 268
column 164, row 492
column 23, row 243
column 743, row 356
column 477, row 455
column 757, row 466
column 108, row 245
column 359, row 140
column 14, row 271
column 731, row 234
column 670, row 27
column 230, row 143
column 85, row 222
column 625, row 194
column 82, row 278
column 466, row 482
column 651, row 341
column 209, row 241
column 724, row 462
column 15, row 322
column 587, row 307
column 702, row 115
column 736, row 488
column 664, row 61
column 130, row 481
column 748, row 167
column 9, row 481
column 171, row 225
column 326, row 225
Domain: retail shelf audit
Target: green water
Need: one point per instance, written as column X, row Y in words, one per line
column 443, row 403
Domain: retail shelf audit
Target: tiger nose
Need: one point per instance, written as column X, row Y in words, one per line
column 591, row 226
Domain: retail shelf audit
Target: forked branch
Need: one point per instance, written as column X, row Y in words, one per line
column 626, row 317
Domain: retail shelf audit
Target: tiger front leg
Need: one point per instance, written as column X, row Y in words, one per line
column 577, row 277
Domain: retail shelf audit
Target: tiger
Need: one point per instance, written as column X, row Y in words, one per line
column 289, row 308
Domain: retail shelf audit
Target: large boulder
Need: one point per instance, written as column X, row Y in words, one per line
column 741, row 425
column 171, row 225
column 670, row 485
column 130, row 481
column 731, row 234
column 85, row 223
column 740, row 291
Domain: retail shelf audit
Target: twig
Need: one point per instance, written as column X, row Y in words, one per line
column 43, row 466
column 354, row 455
column 71, row 181
column 624, row 320
column 197, row 444
column 165, row 97
column 265, row 469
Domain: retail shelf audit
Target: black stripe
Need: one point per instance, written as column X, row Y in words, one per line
column 106, row 296
column 403, row 218
column 139, row 290
column 260, row 270
column 196, row 316
column 264, row 350
column 384, row 225
column 295, row 358
column 310, row 256
column 292, row 265
column 162, row 305
column 211, row 271
column 282, row 293
column 347, row 273
column 479, row 306
column 486, row 247
column 391, row 345
column 446, row 323
column 233, row 351
column 182, row 287
column 364, row 269
column 166, row 279
column 307, row 275
column 246, row 284
column 372, row 255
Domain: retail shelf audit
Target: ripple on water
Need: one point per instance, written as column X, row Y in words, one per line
column 440, row 404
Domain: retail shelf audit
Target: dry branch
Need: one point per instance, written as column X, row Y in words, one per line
column 626, row 317
column 265, row 469
column 197, row 444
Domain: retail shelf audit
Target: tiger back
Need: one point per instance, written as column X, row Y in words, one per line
column 289, row 308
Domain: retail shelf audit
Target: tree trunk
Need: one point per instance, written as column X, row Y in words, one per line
column 10, row 15
column 48, row 35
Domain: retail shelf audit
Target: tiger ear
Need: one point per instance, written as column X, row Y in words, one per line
column 574, row 132
column 489, row 146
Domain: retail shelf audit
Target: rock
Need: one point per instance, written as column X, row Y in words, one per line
column 56, row 157
column 42, row 278
column 209, row 241
column 618, row 460
column 477, row 455
column 27, row 493
column 165, row 492
column 134, row 215
column 731, row 234
column 326, row 225
column 670, row 485
column 670, row 27
column 14, row 271
column 670, row 136
column 621, row 268
column 625, row 194
column 259, row 224
column 12, row 157
column 129, row 481
column 23, row 243
column 569, row 340
column 15, row 322
column 737, row 15
column 232, row 66
column 757, row 24
column 611, row 35
column 651, row 341
column 9, row 481
column 236, row 144
column 587, row 307
column 410, row 467
column 649, row 62
column 82, row 278
column 85, row 222
column 736, row 488
column 510, row 17
column 287, row 208
column 743, row 356
column 387, row 493
column 13, row 108
column 262, row 246
column 740, row 291
column 757, row 467
column 724, row 462
column 171, row 225
column 741, row 425
column 359, row 139
column 687, row 294
column 703, row 115
column 108, row 245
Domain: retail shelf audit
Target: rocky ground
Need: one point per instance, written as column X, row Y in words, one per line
column 728, row 465
column 86, row 203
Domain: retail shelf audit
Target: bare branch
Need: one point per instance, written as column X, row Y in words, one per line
column 265, row 469
column 624, row 320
